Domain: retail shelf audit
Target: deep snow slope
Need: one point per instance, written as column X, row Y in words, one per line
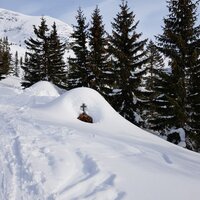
column 47, row 154
column 18, row 27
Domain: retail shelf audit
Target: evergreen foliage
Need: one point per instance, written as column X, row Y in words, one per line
column 44, row 58
column 5, row 58
column 193, row 136
column 36, row 61
column 154, row 64
column 128, row 56
column 98, row 59
column 16, row 69
column 98, row 43
column 154, row 69
column 79, row 74
column 180, row 44
column 163, row 110
column 57, row 67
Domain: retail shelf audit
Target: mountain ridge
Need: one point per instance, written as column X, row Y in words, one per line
column 18, row 27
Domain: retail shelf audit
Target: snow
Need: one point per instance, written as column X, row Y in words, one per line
column 19, row 27
column 181, row 133
column 46, row 153
column 42, row 88
column 12, row 81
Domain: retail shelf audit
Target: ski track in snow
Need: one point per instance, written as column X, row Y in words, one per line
column 43, row 160
column 88, row 183
column 91, row 182
column 22, row 181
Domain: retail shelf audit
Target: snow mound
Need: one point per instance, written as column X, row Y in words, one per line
column 69, row 105
column 42, row 158
column 42, row 88
column 12, row 81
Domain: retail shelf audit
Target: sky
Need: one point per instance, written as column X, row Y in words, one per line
column 150, row 13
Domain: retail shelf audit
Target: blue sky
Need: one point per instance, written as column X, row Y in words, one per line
column 150, row 13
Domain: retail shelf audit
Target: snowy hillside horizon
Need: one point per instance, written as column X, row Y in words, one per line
column 19, row 27
column 46, row 153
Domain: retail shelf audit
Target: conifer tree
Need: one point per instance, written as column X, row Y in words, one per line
column 154, row 68
column 37, row 60
column 193, row 137
column 16, row 65
column 179, row 43
column 57, row 68
column 79, row 74
column 5, row 58
column 21, row 62
column 99, row 55
column 44, row 58
column 162, row 112
column 155, row 63
column 128, row 57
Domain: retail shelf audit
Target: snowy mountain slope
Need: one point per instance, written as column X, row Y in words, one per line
column 47, row 154
column 18, row 27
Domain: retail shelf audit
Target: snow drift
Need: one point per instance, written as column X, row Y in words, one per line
column 47, row 153
column 42, row 88
column 69, row 104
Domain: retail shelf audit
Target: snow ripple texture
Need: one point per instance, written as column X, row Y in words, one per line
column 47, row 154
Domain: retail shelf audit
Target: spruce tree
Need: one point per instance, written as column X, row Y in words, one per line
column 79, row 73
column 155, row 63
column 154, row 68
column 37, row 61
column 99, row 55
column 16, row 65
column 128, row 55
column 162, row 112
column 179, row 43
column 57, row 68
column 5, row 58
column 193, row 136
column 44, row 58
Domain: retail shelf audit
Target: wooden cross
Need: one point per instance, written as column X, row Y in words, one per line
column 83, row 107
